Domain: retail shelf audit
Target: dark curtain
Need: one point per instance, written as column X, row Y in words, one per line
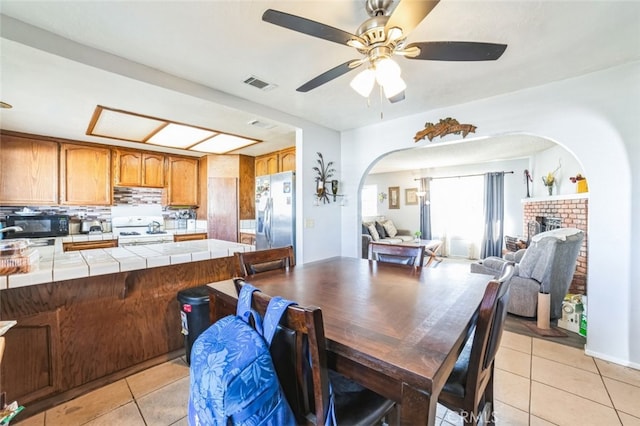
column 425, row 209
column 493, row 215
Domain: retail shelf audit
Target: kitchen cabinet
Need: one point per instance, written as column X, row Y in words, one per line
column 287, row 160
column 75, row 333
column 189, row 237
column 246, row 238
column 28, row 171
column 28, row 375
column 138, row 168
column 182, row 181
column 87, row 245
column 266, row 164
column 227, row 193
column 276, row 162
column 85, row 175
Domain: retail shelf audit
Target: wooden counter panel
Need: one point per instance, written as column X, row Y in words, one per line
column 106, row 323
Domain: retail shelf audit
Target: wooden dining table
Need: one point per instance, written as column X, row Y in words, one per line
column 395, row 329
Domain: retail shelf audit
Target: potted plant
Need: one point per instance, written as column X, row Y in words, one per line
column 417, row 234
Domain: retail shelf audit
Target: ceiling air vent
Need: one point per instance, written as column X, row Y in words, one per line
column 261, row 124
column 254, row 81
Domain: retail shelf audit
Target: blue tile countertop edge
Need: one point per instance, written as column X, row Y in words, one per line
column 56, row 265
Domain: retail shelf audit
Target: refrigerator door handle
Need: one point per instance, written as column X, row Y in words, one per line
column 267, row 221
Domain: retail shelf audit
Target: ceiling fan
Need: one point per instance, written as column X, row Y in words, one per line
column 378, row 39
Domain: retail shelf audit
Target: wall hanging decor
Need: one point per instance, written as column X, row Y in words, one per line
column 394, row 197
column 411, row 196
column 324, row 173
column 444, row 127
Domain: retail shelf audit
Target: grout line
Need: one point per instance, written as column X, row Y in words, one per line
column 135, row 401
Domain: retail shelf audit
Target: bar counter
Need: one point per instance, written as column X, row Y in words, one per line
column 57, row 265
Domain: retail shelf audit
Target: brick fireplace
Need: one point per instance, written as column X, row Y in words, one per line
column 573, row 212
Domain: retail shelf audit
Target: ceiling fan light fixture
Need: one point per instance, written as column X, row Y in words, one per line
column 394, row 34
column 363, row 82
column 387, row 71
column 356, row 43
column 393, row 87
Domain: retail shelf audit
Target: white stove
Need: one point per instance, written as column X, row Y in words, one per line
column 131, row 224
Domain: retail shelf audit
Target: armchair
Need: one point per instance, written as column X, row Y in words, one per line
column 546, row 266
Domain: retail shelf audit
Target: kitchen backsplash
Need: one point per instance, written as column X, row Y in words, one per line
column 121, row 195
column 98, row 212
column 131, row 195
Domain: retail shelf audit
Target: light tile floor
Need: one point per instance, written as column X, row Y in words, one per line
column 537, row 383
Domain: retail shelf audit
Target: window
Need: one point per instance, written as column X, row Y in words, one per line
column 457, row 213
column 369, row 200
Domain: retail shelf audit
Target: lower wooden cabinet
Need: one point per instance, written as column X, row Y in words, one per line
column 75, row 333
column 189, row 237
column 87, row 245
column 246, row 238
column 28, row 375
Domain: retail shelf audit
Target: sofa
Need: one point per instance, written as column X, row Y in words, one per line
column 546, row 266
column 383, row 231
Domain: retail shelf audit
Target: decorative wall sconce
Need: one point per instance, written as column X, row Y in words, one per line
column 324, row 173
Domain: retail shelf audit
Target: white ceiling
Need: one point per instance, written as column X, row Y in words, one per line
column 173, row 59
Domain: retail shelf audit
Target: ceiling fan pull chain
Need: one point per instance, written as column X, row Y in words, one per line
column 381, row 103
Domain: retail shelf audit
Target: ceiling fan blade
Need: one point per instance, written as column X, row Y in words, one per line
column 329, row 75
column 307, row 26
column 457, row 51
column 409, row 13
column 397, row 98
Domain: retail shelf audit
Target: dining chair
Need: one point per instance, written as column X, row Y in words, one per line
column 469, row 388
column 396, row 253
column 299, row 355
column 254, row 262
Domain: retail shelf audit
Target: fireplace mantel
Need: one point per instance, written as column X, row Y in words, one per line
column 582, row 195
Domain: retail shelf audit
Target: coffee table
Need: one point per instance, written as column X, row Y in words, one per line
column 431, row 248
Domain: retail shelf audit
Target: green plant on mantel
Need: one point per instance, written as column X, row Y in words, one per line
column 324, row 173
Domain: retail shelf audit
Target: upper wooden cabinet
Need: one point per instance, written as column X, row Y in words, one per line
column 85, row 175
column 182, row 181
column 28, row 171
column 267, row 164
column 136, row 168
column 287, row 160
column 276, row 162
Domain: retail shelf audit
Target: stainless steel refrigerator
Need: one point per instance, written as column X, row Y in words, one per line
column 275, row 210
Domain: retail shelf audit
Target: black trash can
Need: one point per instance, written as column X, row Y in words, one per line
column 194, row 314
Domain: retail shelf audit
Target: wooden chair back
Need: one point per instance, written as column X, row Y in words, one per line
column 299, row 354
column 253, row 262
column 469, row 394
column 396, row 253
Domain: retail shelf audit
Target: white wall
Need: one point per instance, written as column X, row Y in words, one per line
column 595, row 118
column 547, row 162
column 406, row 217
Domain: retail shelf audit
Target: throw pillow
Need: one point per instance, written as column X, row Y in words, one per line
column 390, row 228
column 381, row 231
column 374, row 232
column 365, row 229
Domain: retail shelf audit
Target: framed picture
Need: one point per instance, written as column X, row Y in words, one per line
column 394, row 197
column 411, row 196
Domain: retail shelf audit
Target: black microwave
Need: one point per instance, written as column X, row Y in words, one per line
column 38, row 226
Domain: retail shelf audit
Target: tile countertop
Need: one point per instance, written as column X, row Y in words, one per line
column 57, row 265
